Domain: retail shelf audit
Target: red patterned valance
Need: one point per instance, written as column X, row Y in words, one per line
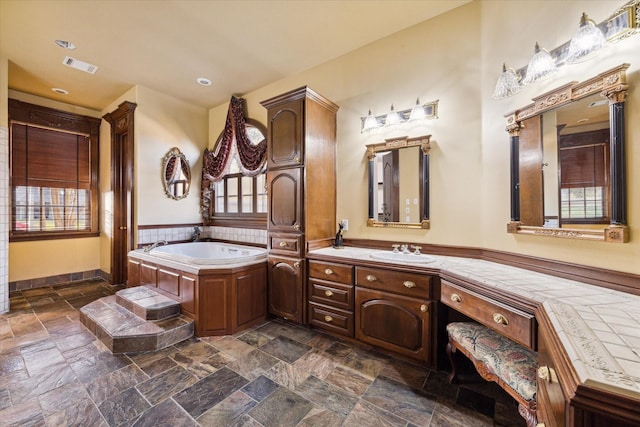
column 234, row 139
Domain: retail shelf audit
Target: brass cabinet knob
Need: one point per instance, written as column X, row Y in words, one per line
column 409, row 284
column 328, row 293
column 456, row 298
column 371, row 278
column 283, row 244
column 424, row 308
column 296, row 264
column 546, row 373
column 500, row 319
column 297, row 159
column 328, row 319
column 328, row 271
column 296, row 226
column 543, row 373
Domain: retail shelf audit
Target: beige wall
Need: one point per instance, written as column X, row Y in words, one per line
column 456, row 58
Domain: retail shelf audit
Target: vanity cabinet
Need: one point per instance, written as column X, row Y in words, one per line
column 301, row 187
column 565, row 401
column 331, row 297
column 394, row 311
column 506, row 319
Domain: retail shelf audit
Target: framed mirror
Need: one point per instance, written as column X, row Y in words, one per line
column 567, row 161
column 176, row 174
column 399, row 183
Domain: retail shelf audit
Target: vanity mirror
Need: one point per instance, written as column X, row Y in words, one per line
column 176, row 174
column 399, row 183
column 568, row 161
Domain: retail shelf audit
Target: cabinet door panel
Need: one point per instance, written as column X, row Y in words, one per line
column 285, row 135
column 169, row 281
column 393, row 322
column 285, row 200
column 285, row 288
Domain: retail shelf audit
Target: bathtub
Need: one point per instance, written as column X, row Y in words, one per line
column 210, row 253
column 221, row 286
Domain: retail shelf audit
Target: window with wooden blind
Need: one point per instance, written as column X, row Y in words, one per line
column 584, row 177
column 54, row 173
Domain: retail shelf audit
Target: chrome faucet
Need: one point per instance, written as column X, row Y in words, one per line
column 404, row 249
column 155, row 245
column 196, row 234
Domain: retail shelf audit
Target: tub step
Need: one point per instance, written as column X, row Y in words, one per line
column 122, row 331
column 147, row 303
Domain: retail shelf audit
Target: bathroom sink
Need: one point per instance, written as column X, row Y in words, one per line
column 399, row 256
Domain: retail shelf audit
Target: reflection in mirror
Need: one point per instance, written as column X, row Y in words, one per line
column 176, row 174
column 398, row 183
column 567, row 169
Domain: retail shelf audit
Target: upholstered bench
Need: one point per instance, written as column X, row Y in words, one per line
column 497, row 358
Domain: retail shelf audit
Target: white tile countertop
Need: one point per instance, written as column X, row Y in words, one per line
column 598, row 327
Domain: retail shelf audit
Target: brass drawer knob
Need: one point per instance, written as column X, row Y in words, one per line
column 500, row 319
column 409, row 284
column 328, row 272
column 543, row 373
column 424, row 308
column 328, row 319
column 456, row 298
column 283, row 244
column 296, row 264
column 371, row 278
column 297, row 159
column 328, row 293
column 296, row 226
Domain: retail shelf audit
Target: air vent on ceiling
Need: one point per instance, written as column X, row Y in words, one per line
column 80, row 65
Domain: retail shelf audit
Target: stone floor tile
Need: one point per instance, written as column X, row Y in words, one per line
column 166, row 414
column 23, row 414
column 449, row 415
column 285, row 349
column 282, row 408
column 123, row 408
column 327, row 396
column 286, row 375
column 59, row 398
column 208, row 392
column 103, row 363
column 366, row 414
column 254, row 338
column 317, row 363
column 253, row 364
column 233, row 346
column 400, row 400
column 229, row 411
column 349, row 380
column 113, row 383
column 260, row 388
column 5, row 399
column 82, row 413
column 278, row 328
column 166, row 384
column 476, row 401
column 319, row 417
column 51, row 378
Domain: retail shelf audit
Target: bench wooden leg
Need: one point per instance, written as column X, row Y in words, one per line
column 529, row 414
column 450, row 350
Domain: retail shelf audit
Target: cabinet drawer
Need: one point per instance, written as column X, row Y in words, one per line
column 286, row 244
column 332, row 272
column 409, row 284
column 331, row 319
column 510, row 322
column 332, row 294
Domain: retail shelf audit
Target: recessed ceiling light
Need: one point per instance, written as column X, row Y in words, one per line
column 60, row 91
column 203, row 81
column 65, row 44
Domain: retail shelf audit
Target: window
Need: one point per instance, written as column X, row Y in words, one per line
column 584, row 177
column 238, row 199
column 54, row 173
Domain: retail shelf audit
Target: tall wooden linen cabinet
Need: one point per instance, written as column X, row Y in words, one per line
column 301, row 188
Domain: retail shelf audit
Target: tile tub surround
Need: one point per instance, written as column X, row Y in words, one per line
column 54, row 372
column 149, row 234
column 599, row 328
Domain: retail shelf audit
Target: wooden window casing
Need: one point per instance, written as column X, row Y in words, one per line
column 54, row 173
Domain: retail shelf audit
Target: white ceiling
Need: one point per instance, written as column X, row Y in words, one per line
column 165, row 45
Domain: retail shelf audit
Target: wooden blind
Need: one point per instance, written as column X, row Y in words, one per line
column 584, row 159
column 49, row 158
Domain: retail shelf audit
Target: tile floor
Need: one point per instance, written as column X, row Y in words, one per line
column 53, row 372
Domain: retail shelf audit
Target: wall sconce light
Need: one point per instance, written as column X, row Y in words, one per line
column 623, row 23
column 508, row 83
column 587, row 40
column 541, row 66
column 416, row 114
